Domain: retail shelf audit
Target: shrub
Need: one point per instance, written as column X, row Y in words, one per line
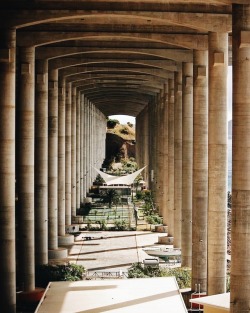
column 47, row 273
column 120, row 225
column 112, row 123
column 182, row 274
column 154, row 219
column 124, row 130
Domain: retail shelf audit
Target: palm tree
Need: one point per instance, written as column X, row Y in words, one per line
column 110, row 196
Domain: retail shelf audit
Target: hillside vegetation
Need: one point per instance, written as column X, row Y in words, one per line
column 125, row 131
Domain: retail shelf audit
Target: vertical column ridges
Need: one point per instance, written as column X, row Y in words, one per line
column 187, row 163
column 61, row 156
column 177, row 158
column 68, row 155
column 7, row 173
column 170, row 209
column 200, row 170
column 41, row 162
column 217, row 162
column 25, row 166
column 240, row 230
column 165, row 155
column 73, row 152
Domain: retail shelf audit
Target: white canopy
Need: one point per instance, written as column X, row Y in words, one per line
column 119, row 180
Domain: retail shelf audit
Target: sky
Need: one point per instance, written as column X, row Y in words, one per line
column 123, row 119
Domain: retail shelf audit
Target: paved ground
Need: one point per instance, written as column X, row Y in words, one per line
column 111, row 250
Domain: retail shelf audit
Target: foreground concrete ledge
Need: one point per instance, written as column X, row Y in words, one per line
column 66, row 240
column 143, row 295
column 60, row 253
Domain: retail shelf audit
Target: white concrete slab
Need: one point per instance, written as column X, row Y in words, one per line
column 144, row 295
column 216, row 301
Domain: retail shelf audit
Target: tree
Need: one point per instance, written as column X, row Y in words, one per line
column 110, row 196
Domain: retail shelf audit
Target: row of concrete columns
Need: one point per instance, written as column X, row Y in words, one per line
column 49, row 143
column 193, row 102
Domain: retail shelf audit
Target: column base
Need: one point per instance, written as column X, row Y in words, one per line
column 60, row 253
column 66, row 240
column 166, row 240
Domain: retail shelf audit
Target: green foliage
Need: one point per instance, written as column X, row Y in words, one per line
column 47, row 273
column 148, row 208
column 111, row 123
column 99, row 180
column 129, row 165
column 137, row 270
column 182, row 275
column 228, row 282
column 110, row 196
column 124, row 130
column 120, row 225
column 154, row 219
column 103, row 224
column 139, row 195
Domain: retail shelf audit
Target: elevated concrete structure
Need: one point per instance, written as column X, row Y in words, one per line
column 65, row 66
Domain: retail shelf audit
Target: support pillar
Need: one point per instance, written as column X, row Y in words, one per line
column 41, row 163
column 217, row 163
column 7, row 172
column 240, row 249
column 54, row 251
column 187, row 164
column 170, row 211
column 63, row 238
column 177, row 158
column 25, row 167
column 165, row 156
column 73, row 152
column 200, row 171
column 78, row 152
column 68, row 156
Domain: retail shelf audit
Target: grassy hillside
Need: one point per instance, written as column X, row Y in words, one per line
column 127, row 131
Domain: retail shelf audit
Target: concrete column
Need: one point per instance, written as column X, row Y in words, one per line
column 63, row 238
column 68, row 156
column 200, row 171
column 217, row 163
column 187, row 164
column 170, row 219
column 41, row 162
column 240, row 277
column 53, row 160
column 54, row 251
column 25, row 167
column 177, row 158
column 7, row 172
column 73, row 152
column 146, row 147
column 165, row 156
column 61, row 156
column 160, row 152
column 81, row 147
column 85, row 138
column 78, row 152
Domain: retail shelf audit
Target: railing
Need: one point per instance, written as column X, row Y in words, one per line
column 99, row 275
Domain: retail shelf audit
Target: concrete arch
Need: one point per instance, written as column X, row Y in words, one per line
column 51, row 53
column 206, row 21
column 188, row 41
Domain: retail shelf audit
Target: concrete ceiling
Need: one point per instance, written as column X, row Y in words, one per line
column 118, row 53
